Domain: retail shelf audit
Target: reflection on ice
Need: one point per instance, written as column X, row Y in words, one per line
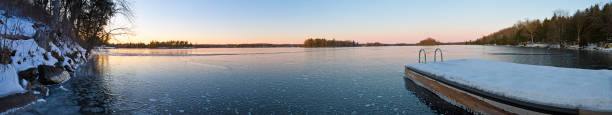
column 364, row 80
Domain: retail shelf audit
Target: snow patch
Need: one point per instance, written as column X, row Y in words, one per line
column 41, row 100
column 562, row 87
column 62, row 87
column 29, row 55
column 24, row 83
column 18, row 26
column 9, row 81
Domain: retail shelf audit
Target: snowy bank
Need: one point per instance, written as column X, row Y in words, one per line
column 16, row 26
column 29, row 46
column 590, row 47
column 9, row 81
column 560, row 87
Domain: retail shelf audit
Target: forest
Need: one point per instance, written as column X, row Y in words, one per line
column 84, row 21
column 591, row 26
column 155, row 44
column 322, row 42
column 429, row 41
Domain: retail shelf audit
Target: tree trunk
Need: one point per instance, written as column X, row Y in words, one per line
column 579, row 38
column 531, row 36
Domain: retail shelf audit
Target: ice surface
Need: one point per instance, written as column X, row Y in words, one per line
column 562, row 87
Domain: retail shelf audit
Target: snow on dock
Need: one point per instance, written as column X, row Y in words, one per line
column 569, row 88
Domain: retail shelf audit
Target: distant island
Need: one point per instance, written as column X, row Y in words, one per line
column 155, row 44
column 429, row 41
column 322, row 42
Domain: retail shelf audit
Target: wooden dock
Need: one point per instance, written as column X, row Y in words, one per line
column 482, row 102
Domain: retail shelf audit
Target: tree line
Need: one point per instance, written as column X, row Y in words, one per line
column 322, row 42
column 85, row 21
column 592, row 25
column 156, row 44
column 254, row 45
column 429, row 41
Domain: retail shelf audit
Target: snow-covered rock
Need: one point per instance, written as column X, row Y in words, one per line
column 52, row 75
column 29, row 74
column 9, row 81
column 34, row 44
column 29, row 54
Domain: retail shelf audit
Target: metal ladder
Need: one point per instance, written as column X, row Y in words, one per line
column 424, row 55
column 435, row 55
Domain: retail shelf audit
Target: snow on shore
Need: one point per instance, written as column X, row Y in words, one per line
column 9, row 81
column 18, row 26
column 590, row 47
column 28, row 53
column 562, row 87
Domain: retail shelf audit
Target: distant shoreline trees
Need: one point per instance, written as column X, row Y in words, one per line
column 308, row 43
column 429, row 41
column 156, row 44
column 170, row 44
column 322, row 42
column 590, row 26
column 253, row 45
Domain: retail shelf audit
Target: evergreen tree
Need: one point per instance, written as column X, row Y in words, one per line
column 592, row 25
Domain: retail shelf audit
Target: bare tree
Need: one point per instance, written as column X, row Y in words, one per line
column 559, row 23
column 580, row 23
column 530, row 27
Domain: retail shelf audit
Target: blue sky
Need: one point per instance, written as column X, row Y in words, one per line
column 292, row 21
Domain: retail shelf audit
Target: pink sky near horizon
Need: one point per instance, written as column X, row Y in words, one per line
column 291, row 22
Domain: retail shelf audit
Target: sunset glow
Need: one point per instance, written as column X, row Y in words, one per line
column 280, row 21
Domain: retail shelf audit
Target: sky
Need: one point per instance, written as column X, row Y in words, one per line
column 293, row 21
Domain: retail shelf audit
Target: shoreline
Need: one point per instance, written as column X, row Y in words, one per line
column 595, row 49
column 583, row 49
column 30, row 64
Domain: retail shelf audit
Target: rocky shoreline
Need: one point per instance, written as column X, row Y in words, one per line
column 557, row 46
column 33, row 56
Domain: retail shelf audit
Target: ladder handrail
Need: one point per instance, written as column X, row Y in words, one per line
column 436, row 55
column 424, row 55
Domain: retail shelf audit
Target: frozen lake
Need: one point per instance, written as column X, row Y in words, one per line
column 360, row 80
